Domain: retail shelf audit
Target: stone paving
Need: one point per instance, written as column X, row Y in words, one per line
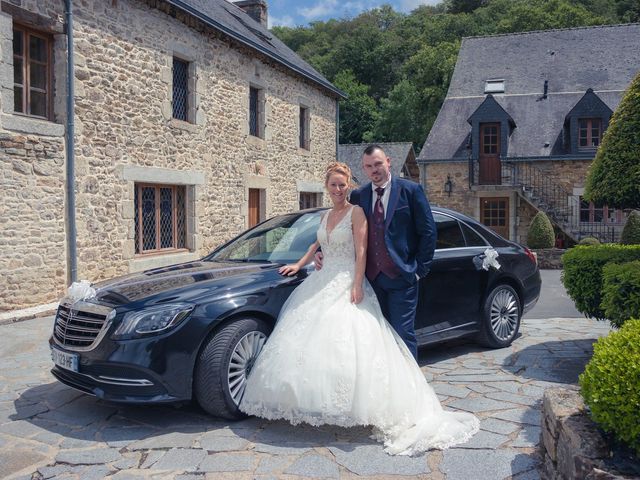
column 48, row 430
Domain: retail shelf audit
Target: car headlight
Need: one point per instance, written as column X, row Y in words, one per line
column 151, row 320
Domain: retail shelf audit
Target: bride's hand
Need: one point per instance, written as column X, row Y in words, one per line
column 289, row 270
column 356, row 294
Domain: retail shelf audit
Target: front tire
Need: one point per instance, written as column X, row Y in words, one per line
column 501, row 314
column 224, row 363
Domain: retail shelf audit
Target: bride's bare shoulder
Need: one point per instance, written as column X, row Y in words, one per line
column 357, row 213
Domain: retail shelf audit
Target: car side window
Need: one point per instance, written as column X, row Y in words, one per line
column 449, row 233
column 472, row 237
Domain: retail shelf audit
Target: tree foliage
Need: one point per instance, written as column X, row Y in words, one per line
column 540, row 234
column 404, row 62
column 631, row 231
column 614, row 176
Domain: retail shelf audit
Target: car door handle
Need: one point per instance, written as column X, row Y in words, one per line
column 478, row 260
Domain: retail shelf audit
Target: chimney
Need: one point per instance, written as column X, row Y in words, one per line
column 256, row 9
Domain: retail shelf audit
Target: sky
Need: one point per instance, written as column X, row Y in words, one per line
column 292, row 13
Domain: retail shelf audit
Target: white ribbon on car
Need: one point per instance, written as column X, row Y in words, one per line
column 81, row 290
column 490, row 259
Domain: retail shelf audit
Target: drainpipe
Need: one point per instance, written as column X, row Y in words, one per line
column 70, row 179
column 337, row 128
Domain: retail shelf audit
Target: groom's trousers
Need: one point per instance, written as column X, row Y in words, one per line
column 398, row 300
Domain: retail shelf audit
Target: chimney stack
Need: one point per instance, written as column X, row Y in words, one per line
column 256, row 9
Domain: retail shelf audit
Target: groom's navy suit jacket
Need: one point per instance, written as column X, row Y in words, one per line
column 410, row 231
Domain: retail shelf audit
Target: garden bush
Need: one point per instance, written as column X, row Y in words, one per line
column 589, row 241
column 540, row 233
column 621, row 292
column 582, row 273
column 610, row 384
column 631, row 231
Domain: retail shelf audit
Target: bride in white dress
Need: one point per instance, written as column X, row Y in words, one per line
column 332, row 358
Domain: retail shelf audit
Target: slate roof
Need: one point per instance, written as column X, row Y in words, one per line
column 604, row 58
column 398, row 152
column 231, row 20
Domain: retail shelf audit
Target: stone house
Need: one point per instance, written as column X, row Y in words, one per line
column 402, row 155
column 192, row 122
column 520, row 126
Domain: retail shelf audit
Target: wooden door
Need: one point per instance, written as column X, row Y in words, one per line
column 254, row 207
column 490, row 154
column 494, row 213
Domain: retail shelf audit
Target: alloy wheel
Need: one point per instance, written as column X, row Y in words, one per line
column 504, row 314
column 242, row 359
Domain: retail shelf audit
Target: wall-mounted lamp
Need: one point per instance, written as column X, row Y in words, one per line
column 448, row 185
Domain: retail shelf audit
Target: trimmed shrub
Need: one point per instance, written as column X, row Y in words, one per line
column 621, row 292
column 540, row 233
column 589, row 241
column 614, row 175
column 582, row 273
column 631, row 230
column 610, row 384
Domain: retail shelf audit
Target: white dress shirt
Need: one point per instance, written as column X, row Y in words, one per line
column 385, row 195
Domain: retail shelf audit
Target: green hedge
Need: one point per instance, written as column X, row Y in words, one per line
column 582, row 273
column 621, row 292
column 610, row 384
column 540, row 233
column 631, row 231
column 589, row 241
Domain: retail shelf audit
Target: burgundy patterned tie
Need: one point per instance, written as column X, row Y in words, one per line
column 378, row 209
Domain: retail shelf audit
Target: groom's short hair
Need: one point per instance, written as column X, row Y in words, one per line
column 372, row 148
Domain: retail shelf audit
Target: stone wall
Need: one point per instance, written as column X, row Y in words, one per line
column 571, row 445
column 32, row 237
column 550, row 258
column 462, row 198
column 568, row 173
column 125, row 134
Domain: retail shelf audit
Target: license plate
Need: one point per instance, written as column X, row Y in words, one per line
column 65, row 360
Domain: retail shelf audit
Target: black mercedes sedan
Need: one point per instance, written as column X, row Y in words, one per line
column 193, row 330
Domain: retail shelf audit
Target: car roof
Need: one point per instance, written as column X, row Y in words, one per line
column 490, row 235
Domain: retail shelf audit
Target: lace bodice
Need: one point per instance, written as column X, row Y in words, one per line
column 337, row 245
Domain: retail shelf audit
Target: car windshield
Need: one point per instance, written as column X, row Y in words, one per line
column 282, row 239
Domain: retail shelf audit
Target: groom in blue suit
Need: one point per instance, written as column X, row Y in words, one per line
column 401, row 241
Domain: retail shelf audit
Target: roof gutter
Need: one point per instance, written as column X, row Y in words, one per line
column 251, row 44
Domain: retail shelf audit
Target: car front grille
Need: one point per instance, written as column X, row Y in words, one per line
column 78, row 328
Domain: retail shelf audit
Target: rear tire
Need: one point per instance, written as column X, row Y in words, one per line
column 224, row 363
column 501, row 314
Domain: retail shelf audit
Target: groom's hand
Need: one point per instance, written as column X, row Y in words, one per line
column 318, row 260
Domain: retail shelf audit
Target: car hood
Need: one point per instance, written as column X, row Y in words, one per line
column 182, row 282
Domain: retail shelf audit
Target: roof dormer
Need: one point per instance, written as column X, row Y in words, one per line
column 585, row 123
column 490, row 111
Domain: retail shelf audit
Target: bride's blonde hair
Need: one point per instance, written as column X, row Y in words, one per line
column 340, row 168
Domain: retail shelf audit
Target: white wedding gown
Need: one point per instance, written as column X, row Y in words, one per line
column 329, row 361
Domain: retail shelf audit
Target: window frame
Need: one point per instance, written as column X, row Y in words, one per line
column 309, row 200
column 604, row 212
column 139, row 222
column 494, row 85
column 304, row 126
column 259, row 128
column 188, row 99
column 28, row 32
column 589, row 131
column 490, row 215
column 441, row 219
